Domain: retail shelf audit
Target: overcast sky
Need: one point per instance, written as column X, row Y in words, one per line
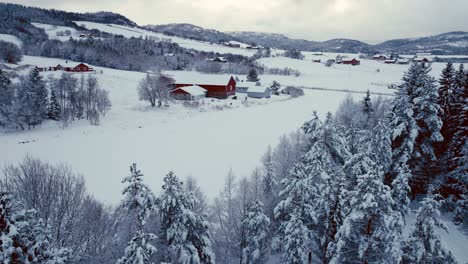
column 368, row 20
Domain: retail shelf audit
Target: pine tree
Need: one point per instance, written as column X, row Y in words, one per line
column 367, row 234
column 424, row 244
column 138, row 198
column 269, row 184
column 54, row 107
column 297, row 244
column 185, row 232
column 256, row 229
column 252, row 76
column 6, row 98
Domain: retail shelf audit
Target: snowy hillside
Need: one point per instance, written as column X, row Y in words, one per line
column 58, row 32
column 183, row 42
column 12, row 39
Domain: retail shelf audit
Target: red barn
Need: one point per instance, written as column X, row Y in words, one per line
column 215, row 89
column 353, row 62
column 82, row 68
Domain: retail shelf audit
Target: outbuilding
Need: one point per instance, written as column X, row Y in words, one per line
column 353, row 62
column 217, row 87
column 189, row 93
column 258, row 92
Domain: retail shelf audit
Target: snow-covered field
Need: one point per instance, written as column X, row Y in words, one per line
column 186, row 43
column 205, row 144
column 52, row 30
column 11, row 39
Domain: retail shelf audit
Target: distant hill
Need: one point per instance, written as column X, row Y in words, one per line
column 447, row 43
column 192, row 32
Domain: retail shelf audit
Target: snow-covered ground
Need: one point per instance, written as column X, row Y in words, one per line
column 52, row 30
column 11, row 39
column 186, row 43
column 372, row 75
column 204, row 143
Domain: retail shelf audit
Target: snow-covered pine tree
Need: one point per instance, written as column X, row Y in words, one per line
column 294, row 213
column 24, row 238
column 424, row 244
column 367, row 109
column 138, row 198
column 54, row 107
column 185, row 232
column 380, row 145
column 269, row 184
column 459, row 127
column 403, row 129
column 38, row 88
column 367, row 234
column 6, row 98
column 310, row 129
column 422, row 90
column 256, row 228
column 446, row 102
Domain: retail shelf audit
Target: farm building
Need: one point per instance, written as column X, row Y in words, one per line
column 390, row 61
column 220, row 59
column 189, row 93
column 220, row 87
column 353, row 62
column 421, row 59
column 79, row 68
column 258, row 92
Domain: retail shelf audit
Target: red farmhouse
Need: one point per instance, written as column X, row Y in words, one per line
column 353, row 62
column 221, row 91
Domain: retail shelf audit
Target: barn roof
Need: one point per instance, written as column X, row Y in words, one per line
column 257, row 89
column 194, row 90
column 203, row 79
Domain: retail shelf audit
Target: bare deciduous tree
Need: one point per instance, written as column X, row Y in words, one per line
column 155, row 88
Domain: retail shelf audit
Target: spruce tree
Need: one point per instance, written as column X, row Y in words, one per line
column 380, row 145
column 310, row 129
column 185, row 233
column 256, row 228
column 138, row 199
column 426, row 110
column 367, row 109
column 6, row 98
column 367, row 234
column 54, row 106
column 424, row 244
column 37, row 87
column 270, row 185
column 252, row 76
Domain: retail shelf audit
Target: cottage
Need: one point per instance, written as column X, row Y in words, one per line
column 421, row 59
column 353, row 62
column 189, row 93
column 220, row 59
column 403, row 61
column 214, row 86
column 82, row 68
column 379, row 57
column 258, row 92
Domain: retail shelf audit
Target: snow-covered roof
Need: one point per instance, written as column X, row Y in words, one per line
column 194, row 90
column 212, row 79
column 257, row 89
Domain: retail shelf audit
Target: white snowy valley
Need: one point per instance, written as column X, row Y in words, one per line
column 352, row 169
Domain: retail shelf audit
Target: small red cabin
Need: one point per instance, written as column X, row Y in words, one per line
column 353, row 62
column 220, row 91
